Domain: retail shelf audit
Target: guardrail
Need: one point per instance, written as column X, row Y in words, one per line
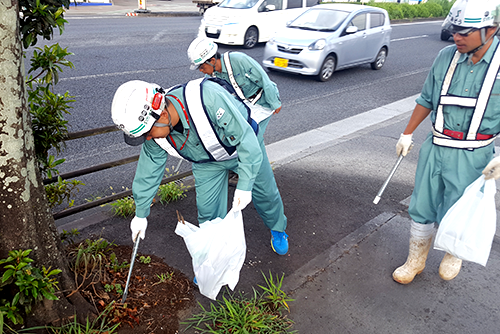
column 78, row 208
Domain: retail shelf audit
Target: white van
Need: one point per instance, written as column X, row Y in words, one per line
column 247, row 22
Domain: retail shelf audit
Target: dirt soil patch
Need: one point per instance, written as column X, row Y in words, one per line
column 158, row 294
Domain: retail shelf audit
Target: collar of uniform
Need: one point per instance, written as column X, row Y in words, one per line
column 488, row 55
column 178, row 93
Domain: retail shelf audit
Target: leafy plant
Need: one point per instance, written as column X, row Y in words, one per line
column 39, row 18
column 101, row 324
column 145, row 260
column 273, row 293
column 116, row 287
column 46, row 107
column 58, row 192
column 260, row 314
column 164, row 278
column 171, row 192
column 88, row 259
column 115, row 265
column 69, row 236
column 26, row 283
column 124, row 207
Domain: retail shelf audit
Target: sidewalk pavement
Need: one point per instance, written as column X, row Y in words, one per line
column 131, row 8
column 343, row 248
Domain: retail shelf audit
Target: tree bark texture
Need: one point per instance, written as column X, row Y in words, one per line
column 25, row 218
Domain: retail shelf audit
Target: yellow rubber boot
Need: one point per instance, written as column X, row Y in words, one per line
column 450, row 267
column 420, row 243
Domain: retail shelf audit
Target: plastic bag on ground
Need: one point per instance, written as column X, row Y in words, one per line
column 218, row 251
column 468, row 228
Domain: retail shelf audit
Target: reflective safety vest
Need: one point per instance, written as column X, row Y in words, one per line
column 252, row 99
column 195, row 111
column 473, row 139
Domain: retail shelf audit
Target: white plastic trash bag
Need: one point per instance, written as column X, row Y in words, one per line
column 218, row 251
column 468, row 228
column 258, row 112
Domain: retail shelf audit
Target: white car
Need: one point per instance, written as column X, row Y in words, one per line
column 330, row 37
column 248, row 22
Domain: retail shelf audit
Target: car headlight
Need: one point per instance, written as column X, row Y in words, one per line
column 318, row 45
column 271, row 41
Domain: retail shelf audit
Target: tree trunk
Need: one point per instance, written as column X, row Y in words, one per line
column 25, row 218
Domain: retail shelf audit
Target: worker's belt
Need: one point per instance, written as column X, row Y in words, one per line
column 460, row 135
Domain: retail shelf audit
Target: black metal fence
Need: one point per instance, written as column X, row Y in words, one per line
column 78, row 208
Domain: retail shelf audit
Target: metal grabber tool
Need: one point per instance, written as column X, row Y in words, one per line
column 134, row 253
column 381, row 191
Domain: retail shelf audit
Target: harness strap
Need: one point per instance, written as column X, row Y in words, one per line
column 206, row 133
column 253, row 99
column 472, row 140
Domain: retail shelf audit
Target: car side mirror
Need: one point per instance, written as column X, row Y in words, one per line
column 270, row 8
column 351, row 30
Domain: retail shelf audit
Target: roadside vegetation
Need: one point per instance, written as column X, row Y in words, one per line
column 264, row 313
column 405, row 11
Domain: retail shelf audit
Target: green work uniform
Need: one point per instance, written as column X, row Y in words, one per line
column 228, row 118
column 443, row 173
column 251, row 77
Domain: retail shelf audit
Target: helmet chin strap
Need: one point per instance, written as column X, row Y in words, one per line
column 213, row 66
column 483, row 41
column 163, row 125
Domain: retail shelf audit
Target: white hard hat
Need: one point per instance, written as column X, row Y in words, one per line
column 472, row 14
column 201, row 50
column 136, row 106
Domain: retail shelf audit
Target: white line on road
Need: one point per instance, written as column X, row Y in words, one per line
column 407, row 38
column 93, row 76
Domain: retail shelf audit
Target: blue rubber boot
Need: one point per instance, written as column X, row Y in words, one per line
column 279, row 242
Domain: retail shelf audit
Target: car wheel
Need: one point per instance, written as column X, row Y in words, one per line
column 251, row 38
column 445, row 35
column 327, row 69
column 380, row 60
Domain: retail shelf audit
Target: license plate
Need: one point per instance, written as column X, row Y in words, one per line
column 212, row 30
column 280, row 62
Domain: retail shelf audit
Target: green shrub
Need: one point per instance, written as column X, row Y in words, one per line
column 62, row 191
column 431, row 8
column 124, row 207
column 26, row 285
column 171, row 192
column 261, row 314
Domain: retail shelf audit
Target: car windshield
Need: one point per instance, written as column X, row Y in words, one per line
column 319, row 19
column 238, row 4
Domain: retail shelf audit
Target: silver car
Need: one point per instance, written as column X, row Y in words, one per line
column 330, row 37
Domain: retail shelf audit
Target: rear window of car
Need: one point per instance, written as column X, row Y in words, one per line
column 376, row 20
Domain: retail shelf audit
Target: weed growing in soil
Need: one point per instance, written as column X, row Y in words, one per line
column 261, row 314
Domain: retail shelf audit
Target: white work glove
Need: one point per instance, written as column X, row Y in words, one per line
column 241, row 199
column 492, row 170
column 404, row 145
column 138, row 225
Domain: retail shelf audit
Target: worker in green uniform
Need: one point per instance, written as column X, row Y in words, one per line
column 247, row 77
column 462, row 96
column 201, row 122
